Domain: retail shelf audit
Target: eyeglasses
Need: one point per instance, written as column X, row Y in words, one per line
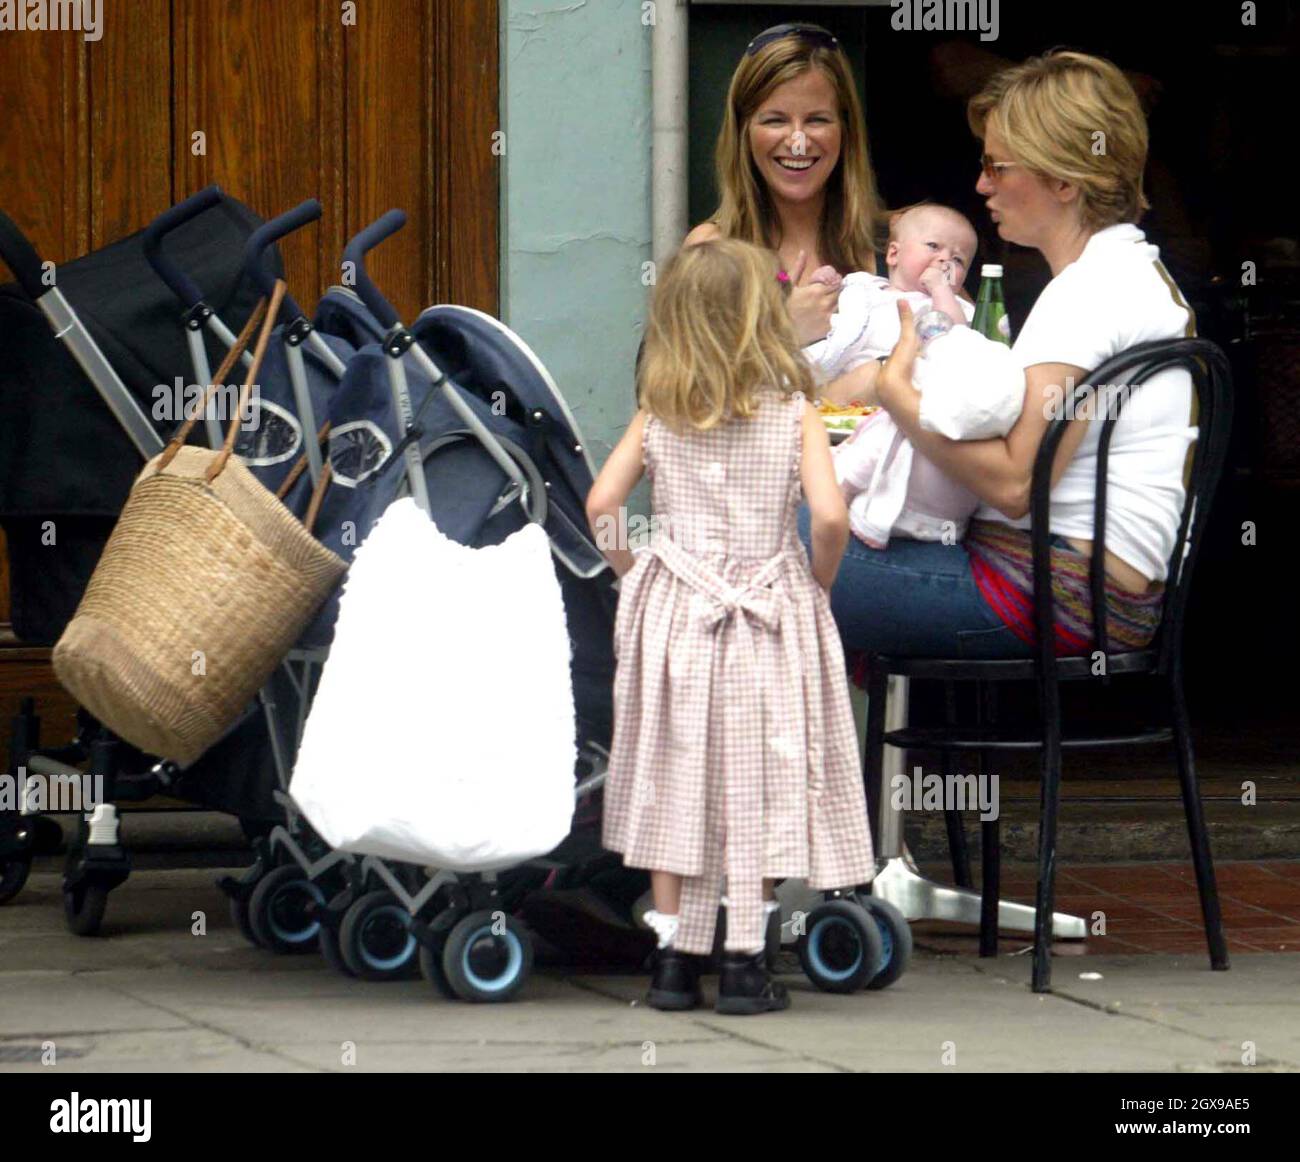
column 813, row 33
column 993, row 169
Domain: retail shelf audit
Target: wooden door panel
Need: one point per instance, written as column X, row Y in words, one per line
column 44, row 175
column 260, row 82
column 130, row 118
column 466, row 156
column 391, row 131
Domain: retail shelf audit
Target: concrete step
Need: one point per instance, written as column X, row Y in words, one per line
column 1121, row 830
column 1090, row 831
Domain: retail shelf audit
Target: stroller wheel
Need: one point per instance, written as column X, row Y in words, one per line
column 13, row 875
column 327, row 940
column 895, row 938
column 488, row 956
column 375, row 938
column 432, row 971
column 83, row 908
column 278, row 913
column 239, row 914
column 841, row 949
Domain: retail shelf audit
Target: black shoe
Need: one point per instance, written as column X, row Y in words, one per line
column 772, row 939
column 675, row 984
column 746, row 987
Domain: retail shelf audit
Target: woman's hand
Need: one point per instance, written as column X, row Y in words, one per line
column 810, row 306
column 894, row 383
column 856, row 386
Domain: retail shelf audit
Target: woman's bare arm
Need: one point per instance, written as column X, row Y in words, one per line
column 856, row 386
column 998, row 471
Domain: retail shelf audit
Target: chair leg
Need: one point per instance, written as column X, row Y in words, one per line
column 1050, row 705
column 956, row 832
column 1196, row 830
column 990, row 885
column 873, row 759
column 990, row 836
column 956, row 835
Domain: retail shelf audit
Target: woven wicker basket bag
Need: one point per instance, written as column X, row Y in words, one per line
column 205, row 584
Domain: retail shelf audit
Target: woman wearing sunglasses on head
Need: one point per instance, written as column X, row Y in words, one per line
column 794, row 172
column 1065, row 145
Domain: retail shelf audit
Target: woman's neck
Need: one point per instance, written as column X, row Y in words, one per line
column 1064, row 246
column 800, row 225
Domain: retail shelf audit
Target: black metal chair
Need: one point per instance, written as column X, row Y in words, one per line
column 1212, row 379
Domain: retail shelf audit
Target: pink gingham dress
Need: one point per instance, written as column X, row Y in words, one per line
column 734, row 750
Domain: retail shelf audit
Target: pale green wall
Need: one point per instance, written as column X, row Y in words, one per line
column 575, row 228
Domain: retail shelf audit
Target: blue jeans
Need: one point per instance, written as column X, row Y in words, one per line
column 915, row 599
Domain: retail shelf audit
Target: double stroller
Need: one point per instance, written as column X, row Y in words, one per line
column 455, row 411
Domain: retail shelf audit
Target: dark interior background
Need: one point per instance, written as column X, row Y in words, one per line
column 1219, row 97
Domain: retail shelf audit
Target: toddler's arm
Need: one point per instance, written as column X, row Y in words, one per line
column 830, row 517
column 609, row 494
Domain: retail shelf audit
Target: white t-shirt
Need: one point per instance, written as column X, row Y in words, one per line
column 1114, row 295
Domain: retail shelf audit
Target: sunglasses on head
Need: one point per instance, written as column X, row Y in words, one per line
column 813, row 33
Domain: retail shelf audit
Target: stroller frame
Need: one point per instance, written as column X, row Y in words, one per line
column 96, row 861
column 450, row 912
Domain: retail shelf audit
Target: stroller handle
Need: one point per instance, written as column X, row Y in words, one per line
column 355, row 253
column 183, row 287
column 20, row 256
column 267, row 235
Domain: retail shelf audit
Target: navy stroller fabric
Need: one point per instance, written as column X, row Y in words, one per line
column 275, row 439
column 63, row 457
column 341, row 313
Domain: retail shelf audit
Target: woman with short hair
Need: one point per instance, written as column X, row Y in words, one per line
column 1065, row 144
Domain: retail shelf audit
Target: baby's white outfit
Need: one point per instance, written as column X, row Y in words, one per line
column 864, row 325
column 971, row 389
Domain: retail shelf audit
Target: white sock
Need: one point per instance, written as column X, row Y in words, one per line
column 663, row 925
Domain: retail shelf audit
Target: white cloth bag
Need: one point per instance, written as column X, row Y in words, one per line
column 972, row 388
column 442, row 732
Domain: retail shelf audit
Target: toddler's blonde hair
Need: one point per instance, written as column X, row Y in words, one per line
column 718, row 335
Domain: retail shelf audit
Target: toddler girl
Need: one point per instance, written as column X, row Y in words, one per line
column 734, row 752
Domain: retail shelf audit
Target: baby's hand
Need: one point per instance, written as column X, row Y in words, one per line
column 827, row 276
column 933, row 277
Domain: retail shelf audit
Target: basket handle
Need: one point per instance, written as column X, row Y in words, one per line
column 317, row 493
column 182, row 433
column 259, row 353
column 322, row 438
column 317, row 496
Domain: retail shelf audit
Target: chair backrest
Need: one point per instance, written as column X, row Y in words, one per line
column 1212, row 381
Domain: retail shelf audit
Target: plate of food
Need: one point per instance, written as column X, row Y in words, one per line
column 841, row 422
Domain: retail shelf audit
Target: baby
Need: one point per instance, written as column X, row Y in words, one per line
column 929, row 254
column 971, row 387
